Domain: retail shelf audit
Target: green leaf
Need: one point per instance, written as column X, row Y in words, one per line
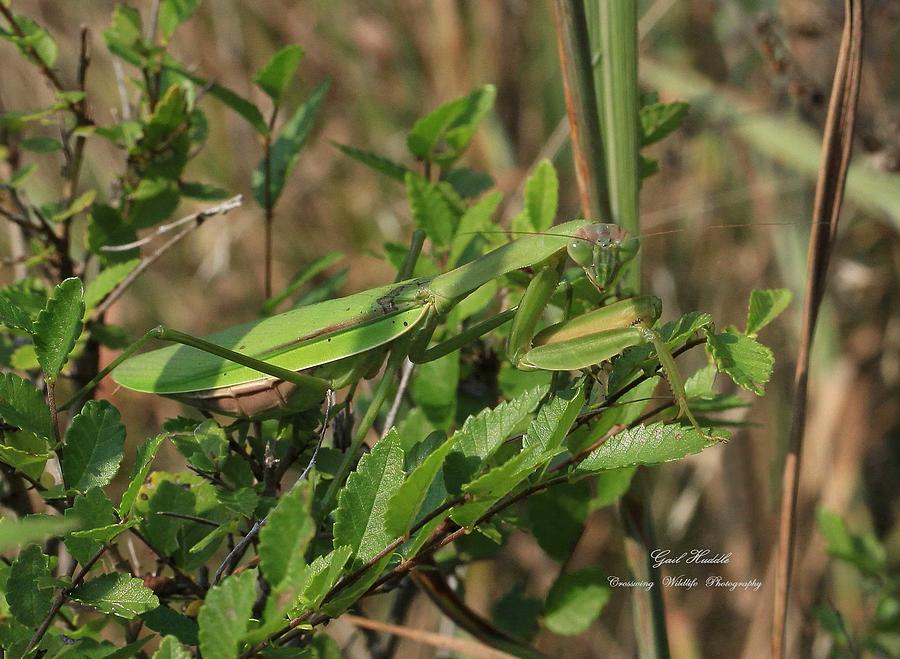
column 483, row 434
column 345, row 598
column 433, row 389
column 21, row 175
column 275, row 77
column 173, row 13
column 748, row 362
column 541, row 195
column 359, row 520
column 95, row 443
column 863, row 551
column 300, row 279
column 164, row 620
column 468, row 243
column 660, row 119
column 611, row 485
column 379, row 163
column 226, row 614
column 30, row 461
column 405, row 504
column 107, row 228
column 36, row 39
column 82, row 202
column 41, row 144
column 553, row 421
column 442, row 135
column 286, row 149
column 28, row 601
column 23, row 406
column 284, row 538
column 430, row 210
column 556, row 517
column 646, row 445
column 13, row 317
column 125, row 35
column 516, row 613
column 468, row 183
column 322, row 574
column 91, row 510
column 105, row 281
column 204, row 191
column 58, row 326
column 119, row 594
column 575, row 601
column 142, row 462
column 170, row 648
column 30, row 529
column 766, row 306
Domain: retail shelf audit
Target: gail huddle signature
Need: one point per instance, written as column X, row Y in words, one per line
column 700, row 556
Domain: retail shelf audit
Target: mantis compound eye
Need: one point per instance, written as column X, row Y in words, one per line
column 581, row 251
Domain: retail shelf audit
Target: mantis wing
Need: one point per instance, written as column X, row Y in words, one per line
column 296, row 340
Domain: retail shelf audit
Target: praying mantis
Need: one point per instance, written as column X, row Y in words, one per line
column 289, row 361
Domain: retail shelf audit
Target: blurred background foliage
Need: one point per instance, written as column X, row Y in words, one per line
column 757, row 75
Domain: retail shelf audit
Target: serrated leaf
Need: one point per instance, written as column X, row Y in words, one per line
column 91, row 510
column 284, row 538
column 553, row 421
column 29, row 602
column 701, row 382
column 468, row 183
column 442, row 135
column 14, row 317
column 746, row 361
column 482, row 434
column 105, row 281
column 647, row 445
column 95, row 443
column 405, row 504
column 142, row 462
column 118, row 594
column 275, row 77
column 28, row 462
column 766, row 306
column 359, row 521
column 430, row 210
column 541, row 196
column 575, row 601
column 173, row 13
column 660, row 119
column 23, row 406
column 170, row 648
column 286, row 149
column 322, row 574
column 30, row 529
column 58, row 327
column 377, row 162
column 226, row 614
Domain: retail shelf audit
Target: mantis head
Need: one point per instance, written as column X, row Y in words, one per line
column 602, row 250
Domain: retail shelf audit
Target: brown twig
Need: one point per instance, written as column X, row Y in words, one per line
column 836, row 149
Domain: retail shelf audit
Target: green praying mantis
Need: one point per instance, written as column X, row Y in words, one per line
column 289, row 361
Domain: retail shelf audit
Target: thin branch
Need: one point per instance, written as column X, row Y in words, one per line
column 836, row 152
column 405, row 374
column 190, row 518
column 165, row 247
